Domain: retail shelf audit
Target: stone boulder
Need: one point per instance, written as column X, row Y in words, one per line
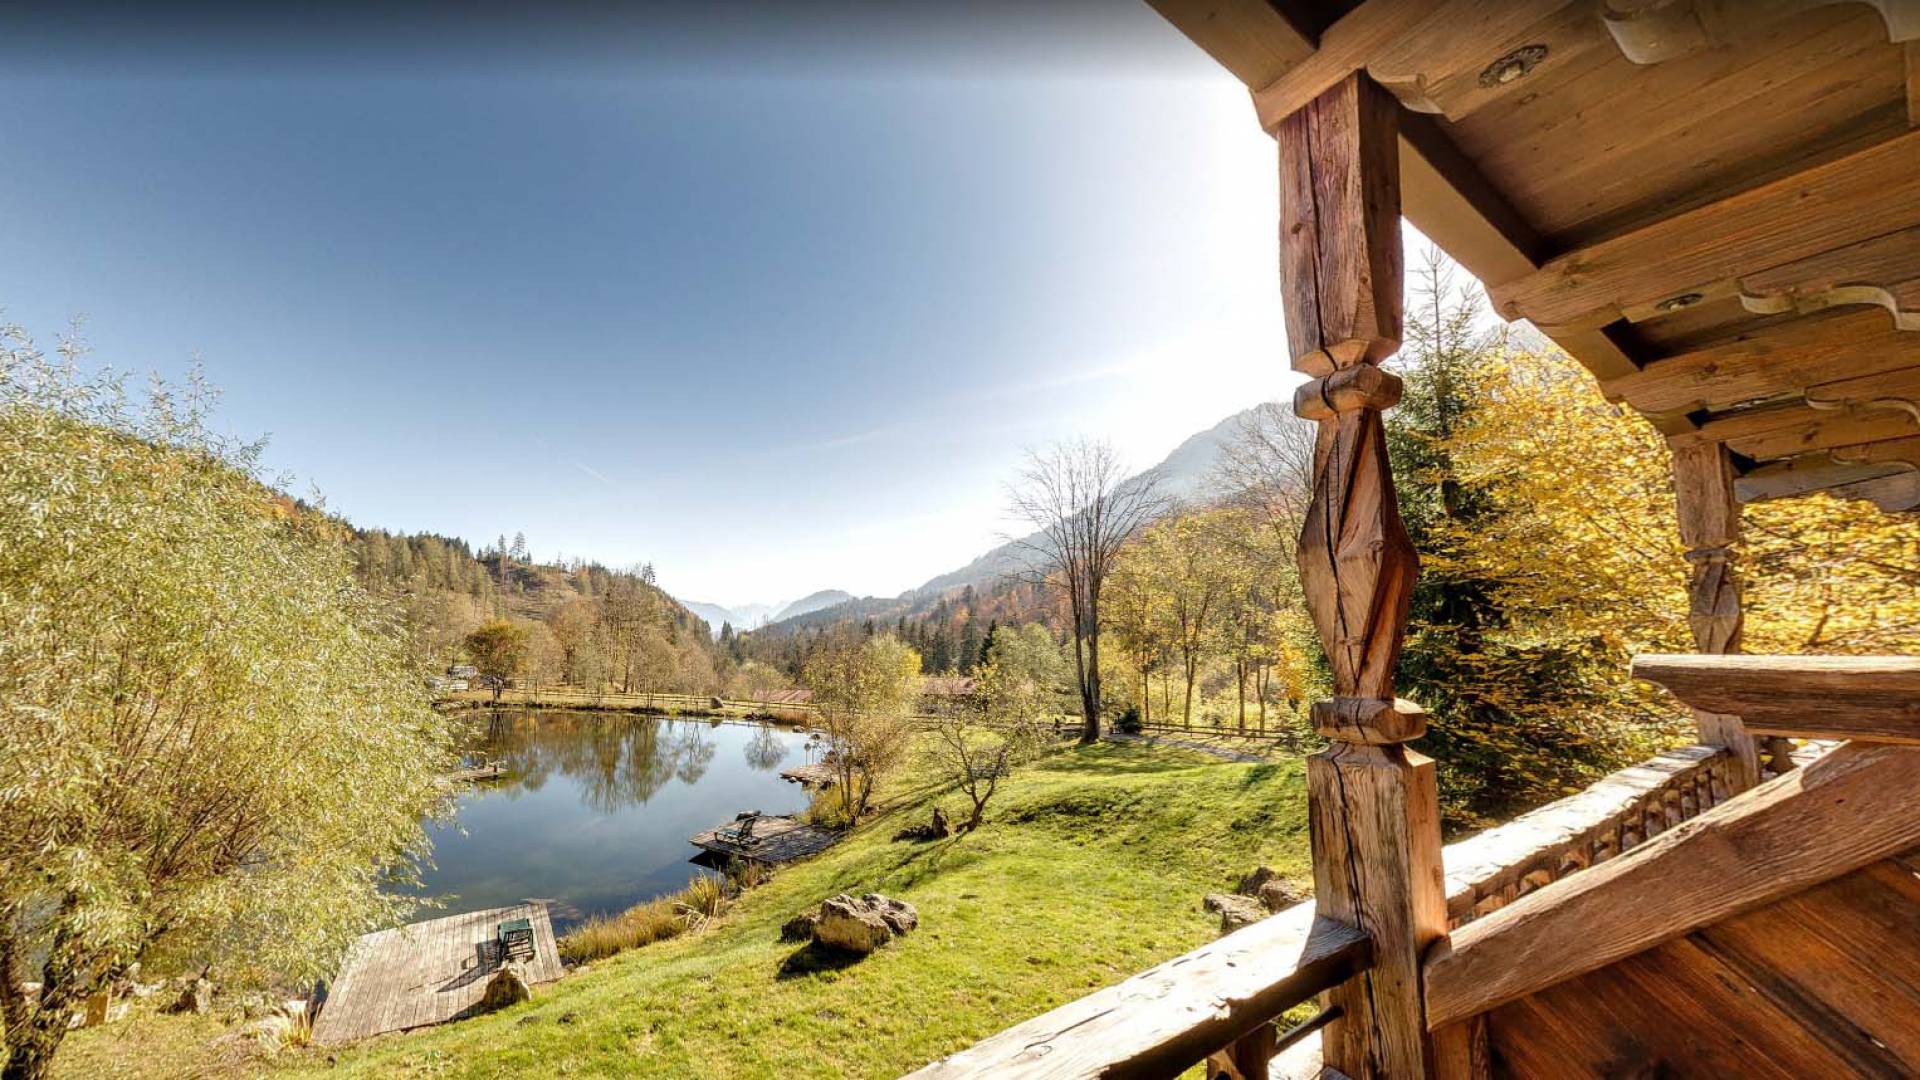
column 508, row 986
column 863, row 925
column 196, row 997
column 1279, row 894
column 800, row 927
column 1235, row 910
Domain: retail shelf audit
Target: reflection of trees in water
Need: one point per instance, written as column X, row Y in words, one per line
column 765, row 752
column 618, row 761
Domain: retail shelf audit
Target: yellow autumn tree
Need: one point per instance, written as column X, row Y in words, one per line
column 1582, row 553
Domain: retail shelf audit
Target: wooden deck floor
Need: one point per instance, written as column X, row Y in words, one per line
column 426, row 973
column 775, row 840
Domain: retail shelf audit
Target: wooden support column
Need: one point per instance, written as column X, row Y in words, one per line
column 1710, row 529
column 1373, row 804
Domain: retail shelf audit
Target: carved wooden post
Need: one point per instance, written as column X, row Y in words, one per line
column 1710, row 527
column 1373, row 804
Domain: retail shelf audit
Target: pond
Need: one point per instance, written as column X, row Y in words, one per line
column 596, row 808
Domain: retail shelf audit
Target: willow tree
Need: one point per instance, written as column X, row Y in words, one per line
column 865, row 690
column 212, row 749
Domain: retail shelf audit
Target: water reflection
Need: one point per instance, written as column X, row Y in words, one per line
column 595, row 809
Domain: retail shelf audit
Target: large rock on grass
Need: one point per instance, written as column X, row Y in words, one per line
column 508, row 986
column 1235, row 910
column 863, row 925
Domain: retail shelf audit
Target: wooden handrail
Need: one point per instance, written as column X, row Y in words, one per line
column 1875, row 698
column 1174, row 1014
column 1843, row 811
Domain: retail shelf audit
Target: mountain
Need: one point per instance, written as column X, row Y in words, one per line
column 811, row 602
column 754, row 616
column 1185, row 475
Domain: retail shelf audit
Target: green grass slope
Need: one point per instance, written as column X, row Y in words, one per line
column 1091, row 866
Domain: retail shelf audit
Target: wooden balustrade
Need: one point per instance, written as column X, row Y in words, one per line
column 1491, row 870
column 1174, row 1014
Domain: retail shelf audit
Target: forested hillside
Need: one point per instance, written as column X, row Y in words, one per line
column 580, row 623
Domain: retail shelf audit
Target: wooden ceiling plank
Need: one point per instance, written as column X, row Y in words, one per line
column 1694, row 130
column 1256, row 40
column 1842, row 202
column 1804, row 476
column 1825, row 351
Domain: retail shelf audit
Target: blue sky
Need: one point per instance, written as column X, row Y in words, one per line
column 773, row 302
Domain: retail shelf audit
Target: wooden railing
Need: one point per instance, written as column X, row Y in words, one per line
column 1491, row 870
column 1175, row 1014
column 1233, row 990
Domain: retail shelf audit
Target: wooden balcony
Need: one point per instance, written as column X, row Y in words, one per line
column 1715, row 207
column 1234, row 990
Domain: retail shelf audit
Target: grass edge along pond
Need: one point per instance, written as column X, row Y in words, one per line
column 1090, row 867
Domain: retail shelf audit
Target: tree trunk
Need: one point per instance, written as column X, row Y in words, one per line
column 1240, row 685
column 30, row 1051
column 1146, row 697
column 1090, row 703
column 1186, row 712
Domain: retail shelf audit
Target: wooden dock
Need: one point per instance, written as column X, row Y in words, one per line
column 774, row 840
column 821, row 775
column 427, row 973
column 493, row 770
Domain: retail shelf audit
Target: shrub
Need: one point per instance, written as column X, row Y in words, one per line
column 1129, row 722
column 827, row 810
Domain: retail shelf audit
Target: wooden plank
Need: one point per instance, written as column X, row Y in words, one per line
column 1784, row 431
column 1843, row 202
column 1174, row 1014
column 427, row 972
column 1675, row 1010
column 1780, row 360
column 1781, row 97
column 1847, row 697
column 1256, row 40
column 1847, row 809
column 1791, row 479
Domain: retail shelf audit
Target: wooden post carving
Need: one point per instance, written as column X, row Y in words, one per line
column 1710, row 528
column 1373, row 804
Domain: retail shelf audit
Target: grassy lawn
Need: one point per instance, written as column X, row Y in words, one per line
column 1090, row 867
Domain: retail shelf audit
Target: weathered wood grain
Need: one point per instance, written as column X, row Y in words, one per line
column 426, row 973
column 1875, row 698
column 1771, row 360
column 1856, row 198
column 1373, row 814
column 1340, row 268
column 1884, row 271
column 1823, row 983
column 1839, row 813
column 1174, row 1014
column 1709, row 518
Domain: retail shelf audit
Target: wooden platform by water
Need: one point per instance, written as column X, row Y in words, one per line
column 493, row 770
column 427, row 973
column 821, row 775
column 775, row 840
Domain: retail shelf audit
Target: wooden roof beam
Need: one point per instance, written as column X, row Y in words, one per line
column 1703, row 252
column 1850, row 808
column 1872, row 698
column 1778, row 361
column 1256, row 40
